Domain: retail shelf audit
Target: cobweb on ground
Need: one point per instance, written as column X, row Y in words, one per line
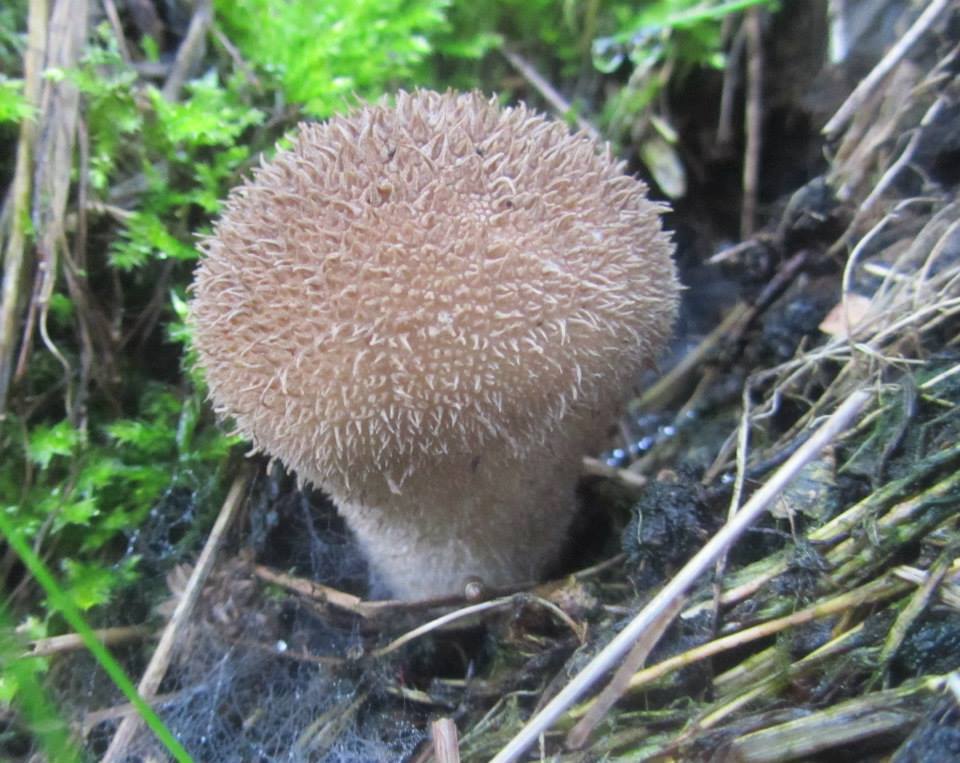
column 245, row 704
column 256, row 676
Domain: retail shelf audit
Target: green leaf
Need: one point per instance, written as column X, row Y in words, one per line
column 209, row 116
column 146, row 237
column 13, row 105
column 28, row 522
column 324, row 54
column 46, row 442
column 181, row 307
column 25, row 676
column 37, row 707
column 150, row 48
column 147, row 438
column 9, row 686
column 474, row 47
column 89, row 583
column 61, row 307
column 100, row 470
column 187, row 425
column 33, row 628
column 179, row 330
column 76, row 513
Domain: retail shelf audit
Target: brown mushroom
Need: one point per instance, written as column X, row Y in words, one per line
column 432, row 310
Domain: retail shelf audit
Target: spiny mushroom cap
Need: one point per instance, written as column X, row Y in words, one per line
column 423, row 279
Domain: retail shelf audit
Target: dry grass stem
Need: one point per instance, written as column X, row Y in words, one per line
column 753, row 121
column 69, row 642
column 446, row 747
column 620, row 683
column 682, row 581
column 548, row 92
column 669, row 387
column 317, row 592
column 191, row 50
column 157, row 667
column 476, row 609
column 93, row 719
column 875, row 591
column 916, row 605
column 836, row 727
column 872, row 81
column 596, row 468
column 17, row 259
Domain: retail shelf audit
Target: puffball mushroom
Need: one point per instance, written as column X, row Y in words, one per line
column 432, row 310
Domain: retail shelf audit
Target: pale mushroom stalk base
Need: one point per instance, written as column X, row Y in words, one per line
column 491, row 517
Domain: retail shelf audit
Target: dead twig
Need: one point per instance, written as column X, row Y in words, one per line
column 868, row 84
column 157, row 667
column 620, row 683
column 91, row 720
column 727, row 333
column 320, row 735
column 866, row 208
column 753, row 122
column 326, row 595
column 596, row 468
column 316, row 591
column 191, row 50
column 475, row 609
column 439, row 622
column 672, row 384
column 236, row 57
column 917, row 604
column 16, row 257
column 113, row 17
column 60, row 107
column 420, row 697
column 548, row 92
column 70, row 642
column 948, row 593
column 877, row 590
column 732, row 75
column 446, row 747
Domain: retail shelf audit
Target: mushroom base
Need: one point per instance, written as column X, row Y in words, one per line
column 483, row 517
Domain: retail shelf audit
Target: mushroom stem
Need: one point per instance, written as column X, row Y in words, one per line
column 480, row 517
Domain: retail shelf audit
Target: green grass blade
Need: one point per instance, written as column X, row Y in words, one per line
column 45, row 724
column 61, row 601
